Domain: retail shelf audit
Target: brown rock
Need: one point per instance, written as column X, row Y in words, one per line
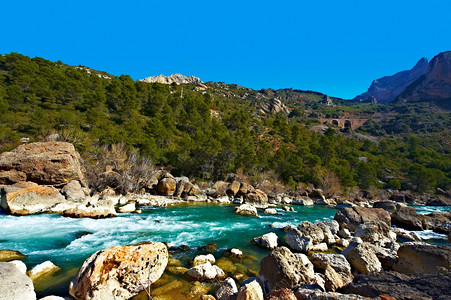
column 120, row 272
column 363, row 259
column 333, row 279
column 12, row 176
column 350, row 217
column 257, row 198
column 44, row 163
column 8, row 255
column 244, row 189
column 74, row 191
column 281, row 294
column 166, row 186
column 233, row 188
column 250, row 291
column 408, row 218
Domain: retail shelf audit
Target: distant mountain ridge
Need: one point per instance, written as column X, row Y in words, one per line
column 174, row 78
column 387, row 88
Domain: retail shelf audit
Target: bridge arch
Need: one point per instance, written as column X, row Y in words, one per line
column 347, row 124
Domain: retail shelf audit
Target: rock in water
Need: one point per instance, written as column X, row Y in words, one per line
column 45, row 269
column 267, row 241
column 120, row 272
column 44, row 163
column 284, row 269
column 246, row 209
column 7, row 255
column 14, row 285
column 228, row 290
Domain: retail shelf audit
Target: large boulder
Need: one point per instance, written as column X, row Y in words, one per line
column 166, row 186
column 363, row 258
column 246, row 209
column 401, row 286
column 312, row 231
column 388, row 205
column 267, row 241
column 92, row 207
column 376, row 232
column 250, row 291
column 14, row 285
column 257, row 198
column 284, row 269
column 233, row 188
column 27, row 198
column 281, row 294
column 120, row 272
column 336, row 261
column 244, row 189
column 350, row 217
column 417, row 257
column 296, row 240
column 408, row 218
column 309, row 294
column 438, row 222
column 74, row 191
column 44, row 163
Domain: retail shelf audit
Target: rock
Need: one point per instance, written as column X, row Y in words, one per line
column 330, row 202
column 223, row 199
column 312, row 231
column 174, row 78
column 203, row 272
column 408, row 218
column 226, row 264
column 166, row 186
column 19, row 265
column 15, row 285
column 439, row 202
column 219, row 189
column 92, row 207
column 270, row 211
column 439, row 222
column 303, row 201
column 316, row 194
column 244, row 189
column 329, row 237
column 45, row 163
column 283, row 269
column 297, row 241
column 177, row 270
column 27, row 198
column 350, row 217
column 336, row 261
column 52, row 298
column 256, row 198
column 415, row 257
column 362, row 258
column 333, row 279
column 128, row 208
column 233, row 188
column 201, row 259
column 287, row 208
column 344, row 233
column 45, row 269
column 8, row 255
column 220, row 274
column 246, row 209
column 12, row 176
column 267, row 241
column 122, row 271
column 228, row 290
column 401, row 286
column 405, row 234
column 332, row 224
column 281, row 294
column 388, row 205
column 210, row 248
column 250, row 291
column 308, row 294
column 74, row 191
column 166, row 288
column 376, row 232
column 321, row 247
column 234, row 253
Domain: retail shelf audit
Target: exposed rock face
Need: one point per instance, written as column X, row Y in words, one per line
column 312, row 231
column 174, row 78
column 363, row 259
column 74, row 191
column 43, row 163
column 376, row 232
column 19, row 265
column 201, row 259
column 27, row 198
column 387, row 88
column 250, row 291
column 228, row 290
column 246, row 209
column 350, row 217
column 14, row 284
column 401, row 286
column 388, row 205
column 118, row 271
column 415, row 257
column 438, row 222
column 407, row 217
column 284, row 269
column 233, row 188
column 435, row 84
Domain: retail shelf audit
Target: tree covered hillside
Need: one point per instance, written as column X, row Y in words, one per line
column 209, row 132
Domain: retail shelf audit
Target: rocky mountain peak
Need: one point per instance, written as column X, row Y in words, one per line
column 174, row 78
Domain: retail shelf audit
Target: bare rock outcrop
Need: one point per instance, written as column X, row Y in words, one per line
column 119, row 272
column 174, row 78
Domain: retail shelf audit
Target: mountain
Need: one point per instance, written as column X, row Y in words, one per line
column 386, row 89
column 177, row 78
column 435, row 84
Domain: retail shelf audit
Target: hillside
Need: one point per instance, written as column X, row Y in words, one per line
column 289, row 136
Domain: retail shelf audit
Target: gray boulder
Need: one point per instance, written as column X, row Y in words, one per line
column 417, row 257
column 14, row 285
column 297, row 241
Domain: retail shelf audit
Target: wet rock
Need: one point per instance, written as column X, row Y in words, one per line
column 401, row 286
column 284, row 269
column 121, row 271
column 416, row 257
column 405, row 234
column 408, row 218
column 234, row 253
column 362, row 258
column 267, row 241
column 257, row 198
column 45, row 269
column 177, row 270
column 297, row 241
column 226, row 264
column 250, row 291
column 166, row 288
column 45, row 163
column 351, row 217
column 439, row 222
column 201, row 259
column 228, row 290
column 8, row 255
column 204, row 272
column 15, row 285
column 281, row 294
column 287, row 208
column 26, row 198
column 210, row 248
column 439, row 202
column 246, row 209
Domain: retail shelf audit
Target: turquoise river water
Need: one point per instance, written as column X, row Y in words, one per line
column 68, row 242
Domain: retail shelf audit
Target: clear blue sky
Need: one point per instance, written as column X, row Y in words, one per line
column 335, row 47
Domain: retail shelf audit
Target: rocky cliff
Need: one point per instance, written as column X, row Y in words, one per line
column 177, row 78
column 387, row 88
column 435, row 84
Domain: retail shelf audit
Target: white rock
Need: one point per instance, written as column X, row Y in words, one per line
column 267, row 241
column 201, row 259
column 270, row 211
column 322, row 247
column 202, row 272
column 128, row 208
column 44, row 269
column 227, row 290
column 19, row 265
column 237, row 253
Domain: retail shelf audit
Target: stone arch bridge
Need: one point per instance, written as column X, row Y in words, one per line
column 344, row 122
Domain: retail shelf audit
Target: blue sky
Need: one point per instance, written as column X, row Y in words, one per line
column 334, row 47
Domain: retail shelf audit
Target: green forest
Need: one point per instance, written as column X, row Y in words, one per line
column 209, row 133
